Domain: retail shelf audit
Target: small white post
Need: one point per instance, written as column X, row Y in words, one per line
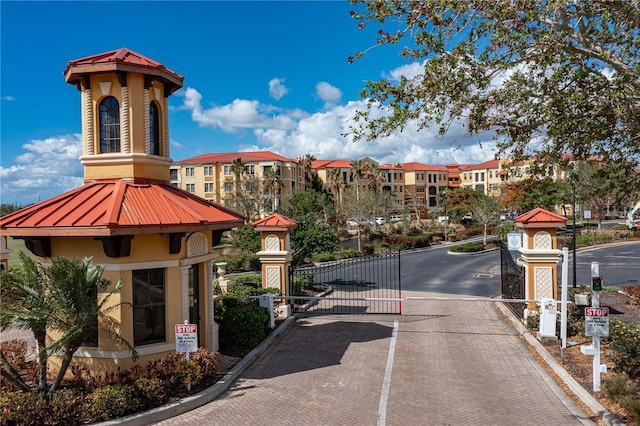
column 186, row 356
column 266, row 301
column 595, row 302
column 563, row 312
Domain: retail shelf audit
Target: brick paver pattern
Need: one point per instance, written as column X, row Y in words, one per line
column 455, row 363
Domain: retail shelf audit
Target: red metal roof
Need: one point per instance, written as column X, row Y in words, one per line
column 415, row 166
column 275, row 221
column 540, row 215
column 330, row 164
column 117, row 207
column 228, row 157
column 121, row 59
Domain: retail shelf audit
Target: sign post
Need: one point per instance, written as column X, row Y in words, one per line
column 596, row 325
column 187, row 340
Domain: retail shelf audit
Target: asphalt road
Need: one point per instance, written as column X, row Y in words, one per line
column 619, row 264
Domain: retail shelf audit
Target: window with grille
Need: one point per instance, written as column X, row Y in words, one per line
column 208, row 170
column 191, row 187
column 148, row 306
column 154, row 129
column 109, row 112
column 189, row 171
column 208, row 187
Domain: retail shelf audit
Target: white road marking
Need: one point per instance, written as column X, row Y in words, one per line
column 384, row 396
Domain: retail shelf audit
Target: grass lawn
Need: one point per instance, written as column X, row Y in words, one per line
column 16, row 246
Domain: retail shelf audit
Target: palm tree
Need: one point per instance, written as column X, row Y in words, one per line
column 69, row 299
column 238, row 169
column 305, row 163
column 272, row 183
column 335, row 183
column 356, row 170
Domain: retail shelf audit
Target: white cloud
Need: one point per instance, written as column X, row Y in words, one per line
column 176, row 144
column 329, row 94
column 277, row 89
column 241, row 114
column 325, row 133
column 47, row 168
column 8, row 98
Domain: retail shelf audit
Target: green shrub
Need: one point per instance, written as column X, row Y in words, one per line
column 243, row 279
column 324, row 257
column 348, row 254
column 241, row 263
column 66, row 407
column 468, row 248
column 302, row 280
column 244, row 326
column 626, row 393
column 208, row 362
column 150, row 391
column 624, row 341
column 23, row 408
column 111, row 401
column 187, row 373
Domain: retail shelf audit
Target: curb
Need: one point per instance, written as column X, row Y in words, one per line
column 203, row 397
column 568, row 380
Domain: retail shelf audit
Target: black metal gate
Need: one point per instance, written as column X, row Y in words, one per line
column 362, row 285
column 511, row 280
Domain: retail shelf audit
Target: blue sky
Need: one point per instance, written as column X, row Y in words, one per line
column 259, row 75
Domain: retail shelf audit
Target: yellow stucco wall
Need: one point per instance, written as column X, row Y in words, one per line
column 148, row 252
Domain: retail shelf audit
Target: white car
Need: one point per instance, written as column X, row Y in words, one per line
column 380, row 221
column 395, row 218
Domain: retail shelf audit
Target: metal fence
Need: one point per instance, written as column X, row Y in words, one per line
column 362, row 285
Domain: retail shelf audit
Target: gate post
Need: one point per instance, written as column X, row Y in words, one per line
column 540, row 255
column 275, row 255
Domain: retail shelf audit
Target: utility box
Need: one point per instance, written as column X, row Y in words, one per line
column 548, row 318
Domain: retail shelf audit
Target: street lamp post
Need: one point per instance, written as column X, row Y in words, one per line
column 573, row 214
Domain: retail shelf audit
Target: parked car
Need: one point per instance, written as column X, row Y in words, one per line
column 395, row 218
column 380, row 221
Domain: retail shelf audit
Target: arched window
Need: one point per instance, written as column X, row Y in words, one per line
column 154, row 129
column 109, row 125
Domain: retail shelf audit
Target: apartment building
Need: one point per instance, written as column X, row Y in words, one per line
column 212, row 177
column 483, row 177
column 422, row 184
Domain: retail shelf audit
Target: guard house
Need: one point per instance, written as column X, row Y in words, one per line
column 539, row 253
column 157, row 238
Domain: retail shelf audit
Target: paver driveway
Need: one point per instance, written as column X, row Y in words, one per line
column 440, row 363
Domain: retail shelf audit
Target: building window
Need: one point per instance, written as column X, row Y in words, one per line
column 208, row 170
column 208, row 187
column 90, row 331
column 148, row 306
column 227, row 170
column 228, row 187
column 154, row 129
column 189, row 171
column 250, row 169
column 482, row 176
column 109, row 125
column 191, row 187
column 173, row 174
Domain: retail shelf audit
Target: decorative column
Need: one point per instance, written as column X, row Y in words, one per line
column 275, row 255
column 539, row 255
column 184, row 291
column 124, row 113
column 212, row 326
column 147, row 134
column 165, row 119
column 87, row 121
column 124, row 127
